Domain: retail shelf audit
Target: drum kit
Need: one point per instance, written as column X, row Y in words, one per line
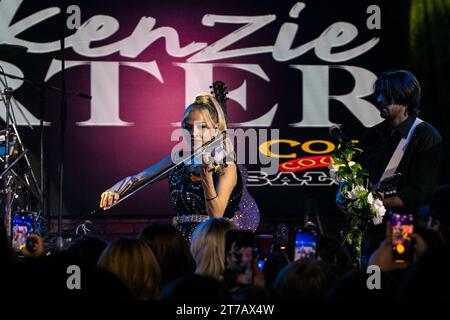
column 20, row 192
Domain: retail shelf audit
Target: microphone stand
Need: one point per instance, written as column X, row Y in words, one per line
column 345, row 142
column 7, row 93
column 62, row 130
column 13, row 163
column 43, row 194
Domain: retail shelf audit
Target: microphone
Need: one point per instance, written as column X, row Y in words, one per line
column 337, row 132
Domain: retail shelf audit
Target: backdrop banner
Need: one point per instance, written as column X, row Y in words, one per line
column 297, row 67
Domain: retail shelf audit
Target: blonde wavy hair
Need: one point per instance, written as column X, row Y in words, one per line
column 208, row 247
column 214, row 117
column 210, row 109
column 133, row 262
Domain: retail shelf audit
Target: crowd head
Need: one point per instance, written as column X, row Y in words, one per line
column 133, row 262
column 208, row 247
column 162, row 264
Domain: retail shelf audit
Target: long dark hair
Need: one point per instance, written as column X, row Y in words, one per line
column 398, row 87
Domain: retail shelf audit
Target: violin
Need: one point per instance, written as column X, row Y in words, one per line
column 210, row 147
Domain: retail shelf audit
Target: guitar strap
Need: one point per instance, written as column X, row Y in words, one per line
column 399, row 152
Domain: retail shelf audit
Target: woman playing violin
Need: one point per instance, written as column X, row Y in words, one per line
column 198, row 189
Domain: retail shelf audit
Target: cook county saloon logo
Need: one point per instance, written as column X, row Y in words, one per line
column 292, row 172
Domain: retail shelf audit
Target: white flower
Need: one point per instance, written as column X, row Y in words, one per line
column 334, row 167
column 351, row 163
column 354, row 193
column 380, row 210
column 333, row 171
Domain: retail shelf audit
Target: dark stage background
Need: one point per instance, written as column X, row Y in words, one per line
column 140, row 86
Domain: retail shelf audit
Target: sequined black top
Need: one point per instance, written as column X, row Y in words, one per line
column 186, row 193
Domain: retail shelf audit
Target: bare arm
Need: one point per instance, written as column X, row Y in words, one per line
column 113, row 194
column 216, row 197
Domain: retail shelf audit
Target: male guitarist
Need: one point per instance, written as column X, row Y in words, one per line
column 401, row 144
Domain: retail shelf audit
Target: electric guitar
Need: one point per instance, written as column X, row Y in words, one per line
column 388, row 187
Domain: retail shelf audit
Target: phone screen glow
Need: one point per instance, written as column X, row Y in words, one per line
column 305, row 245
